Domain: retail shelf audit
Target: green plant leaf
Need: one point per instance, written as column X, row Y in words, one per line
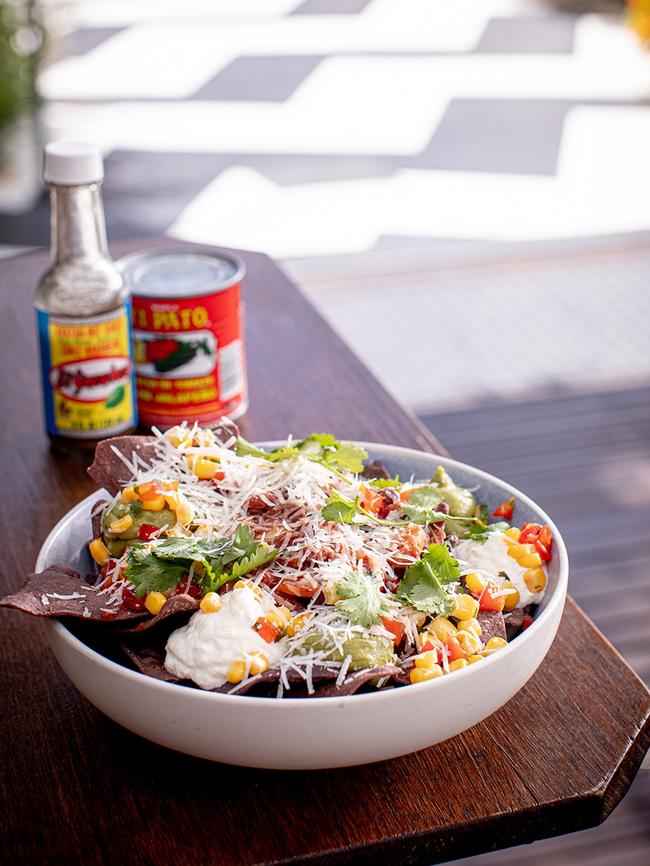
column 420, row 507
column 361, row 600
column 423, row 585
column 382, row 483
column 341, row 510
column 160, row 565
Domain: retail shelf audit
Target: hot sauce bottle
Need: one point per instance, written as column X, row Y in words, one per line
column 82, row 309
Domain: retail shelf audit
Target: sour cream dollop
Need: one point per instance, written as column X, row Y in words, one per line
column 205, row 648
column 491, row 558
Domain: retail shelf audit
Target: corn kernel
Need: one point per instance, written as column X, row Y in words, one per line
column 513, row 533
column 122, row 524
column 494, row 644
column 297, row 623
column 210, row 603
column 129, row 495
column 421, row 675
column 469, row 642
column 465, row 607
column 535, row 579
column 278, row 619
column 236, row 672
column 99, row 551
column 474, row 583
column 475, row 658
column 471, row 625
column 330, row 596
column 530, row 560
column 154, row 602
column 241, row 584
column 428, row 659
column 258, row 664
column 156, row 503
column 204, row 468
column 184, row 512
column 512, row 598
column 179, row 436
column 457, row 665
column 441, row 627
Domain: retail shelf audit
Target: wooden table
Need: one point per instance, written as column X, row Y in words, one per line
column 78, row 789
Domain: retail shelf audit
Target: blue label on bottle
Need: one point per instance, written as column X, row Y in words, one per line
column 87, row 374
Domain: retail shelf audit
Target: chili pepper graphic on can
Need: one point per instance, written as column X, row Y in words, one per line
column 187, row 336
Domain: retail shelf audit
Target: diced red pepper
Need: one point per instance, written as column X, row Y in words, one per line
column 426, row 647
column 529, row 533
column 528, row 621
column 266, row 630
column 395, row 627
column 540, row 536
column 146, row 531
column 488, row 600
column 506, row 509
column 543, row 551
column 131, row 601
column 193, row 590
column 454, row 649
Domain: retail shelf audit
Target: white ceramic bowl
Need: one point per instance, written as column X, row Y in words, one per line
column 319, row 732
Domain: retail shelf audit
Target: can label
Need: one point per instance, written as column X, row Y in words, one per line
column 87, row 374
column 189, row 358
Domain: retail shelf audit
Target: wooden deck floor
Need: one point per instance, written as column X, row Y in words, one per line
column 586, row 460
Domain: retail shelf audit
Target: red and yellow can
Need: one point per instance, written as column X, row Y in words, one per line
column 188, row 337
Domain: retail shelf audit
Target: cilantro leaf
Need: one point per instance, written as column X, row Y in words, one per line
column 420, row 507
column 258, row 557
column 347, row 457
column 246, row 449
column 341, row 510
column 163, row 564
column 319, row 447
column 481, row 531
column 423, row 585
column 147, row 573
column 362, row 600
column 381, row 483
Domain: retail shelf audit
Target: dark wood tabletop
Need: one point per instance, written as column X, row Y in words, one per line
column 76, row 788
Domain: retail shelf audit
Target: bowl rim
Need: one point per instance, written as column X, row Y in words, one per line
column 555, row 600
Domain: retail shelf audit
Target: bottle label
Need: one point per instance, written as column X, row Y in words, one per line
column 87, row 374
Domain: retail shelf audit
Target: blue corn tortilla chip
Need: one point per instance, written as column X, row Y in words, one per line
column 492, row 624
column 109, row 470
column 60, row 591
